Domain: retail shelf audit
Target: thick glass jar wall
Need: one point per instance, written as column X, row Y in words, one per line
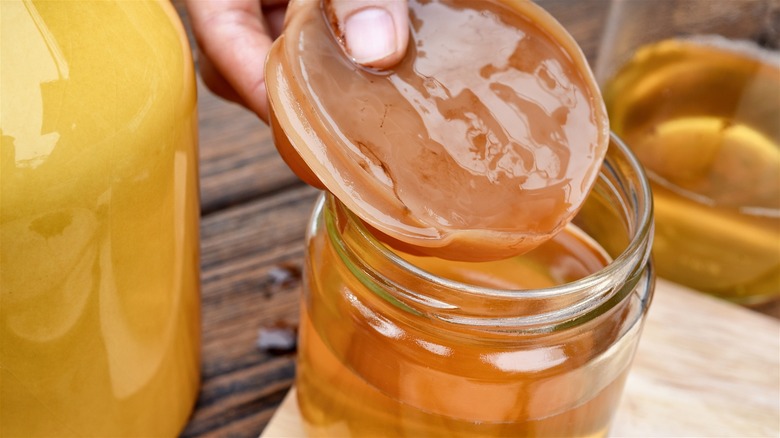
column 390, row 348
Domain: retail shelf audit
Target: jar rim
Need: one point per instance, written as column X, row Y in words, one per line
column 644, row 219
column 597, row 288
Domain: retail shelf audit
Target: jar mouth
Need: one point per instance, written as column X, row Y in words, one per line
column 621, row 174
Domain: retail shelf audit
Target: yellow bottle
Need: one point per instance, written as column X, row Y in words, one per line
column 99, row 285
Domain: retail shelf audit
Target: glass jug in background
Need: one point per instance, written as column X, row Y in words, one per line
column 693, row 87
column 99, row 283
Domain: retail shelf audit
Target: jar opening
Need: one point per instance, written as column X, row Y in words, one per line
column 619, row 218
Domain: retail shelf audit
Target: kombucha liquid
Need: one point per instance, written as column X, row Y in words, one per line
column 365, row 370
column 703, row 116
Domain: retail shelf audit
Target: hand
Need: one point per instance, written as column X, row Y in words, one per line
column 234, row 37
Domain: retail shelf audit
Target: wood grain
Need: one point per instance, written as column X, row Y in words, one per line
column 242, row 250
column 239, row 162
column 704, row 368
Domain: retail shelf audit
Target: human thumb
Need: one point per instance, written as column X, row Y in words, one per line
column 373, row 33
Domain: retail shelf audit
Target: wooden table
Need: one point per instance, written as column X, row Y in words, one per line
column 254, row 211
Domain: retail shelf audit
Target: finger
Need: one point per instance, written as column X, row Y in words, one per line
column 234, row 37
column 274, row 16
column 274, row 13
column 375, row 33
column 215, row 82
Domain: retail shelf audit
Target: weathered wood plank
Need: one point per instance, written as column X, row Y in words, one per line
column 238, row 159
column 244, row 249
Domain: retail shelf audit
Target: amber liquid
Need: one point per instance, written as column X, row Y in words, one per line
column 99, row 302
column 368, row 369
column 703, row 116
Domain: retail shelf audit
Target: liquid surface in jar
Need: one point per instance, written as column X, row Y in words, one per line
column 703, row 116
column 481, row 144
column 397, row 379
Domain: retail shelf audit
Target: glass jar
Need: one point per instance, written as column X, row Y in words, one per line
column 99, row 281
column 393, row 344
column 693, row 87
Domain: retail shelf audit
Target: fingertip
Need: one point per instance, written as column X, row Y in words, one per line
column 400, row 12
column 375, row 33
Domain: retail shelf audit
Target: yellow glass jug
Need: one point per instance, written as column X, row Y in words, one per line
column 99, row 284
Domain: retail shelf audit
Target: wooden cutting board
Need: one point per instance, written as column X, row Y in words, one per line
column 704, row 368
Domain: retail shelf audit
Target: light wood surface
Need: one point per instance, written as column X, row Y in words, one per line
column 704, row 368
